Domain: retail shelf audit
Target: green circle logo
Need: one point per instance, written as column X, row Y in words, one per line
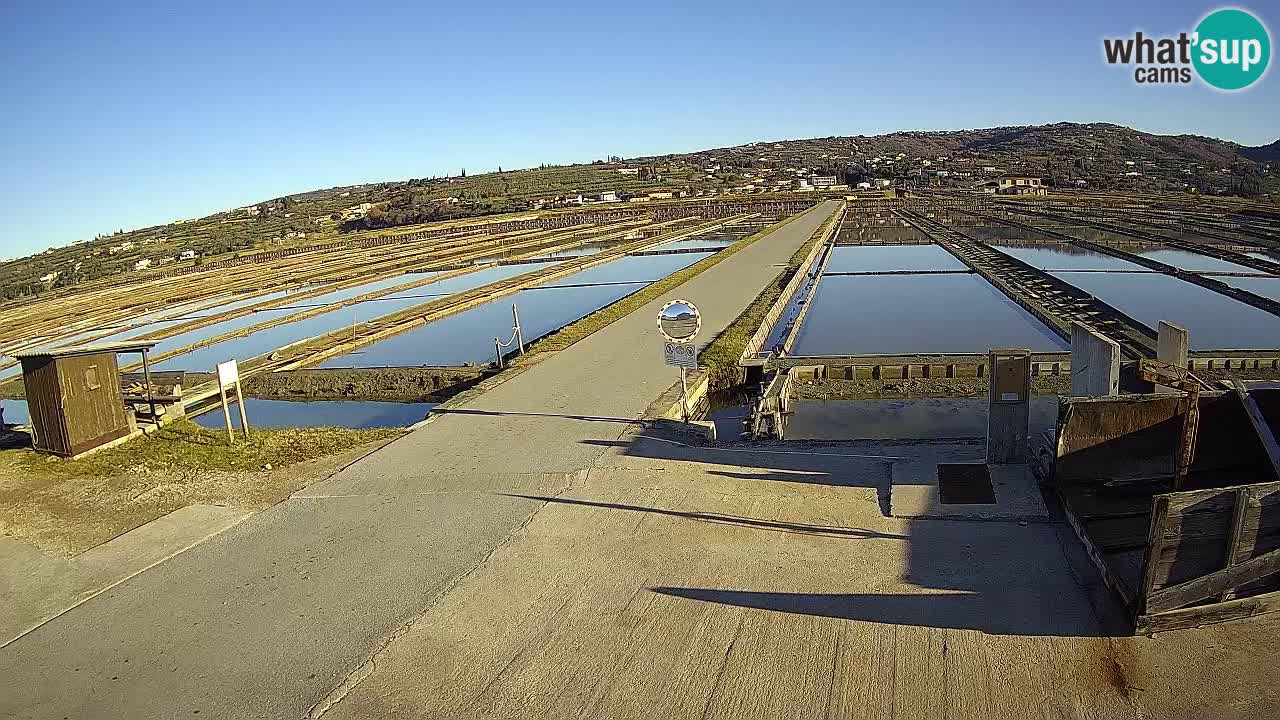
column 1232, row 49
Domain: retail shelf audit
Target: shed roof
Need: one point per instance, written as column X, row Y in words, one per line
column 69, row 350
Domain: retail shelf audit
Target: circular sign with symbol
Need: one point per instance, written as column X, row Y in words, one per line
column 679, row 321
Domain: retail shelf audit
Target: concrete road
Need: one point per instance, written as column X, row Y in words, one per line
column 737, row 582
column 268, row 618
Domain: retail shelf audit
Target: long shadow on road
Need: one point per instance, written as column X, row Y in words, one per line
column 1003, row 578
column 837, row 466
column 962, row 575
column 787, row 527
column 513, row 413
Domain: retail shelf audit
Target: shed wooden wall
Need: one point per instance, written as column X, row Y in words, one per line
column 44, row 405
column 94, row 415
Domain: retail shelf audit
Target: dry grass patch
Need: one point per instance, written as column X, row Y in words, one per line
column 70, row 505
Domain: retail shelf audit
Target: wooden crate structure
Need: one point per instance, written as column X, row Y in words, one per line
column 74, row 398
column 1205, row 553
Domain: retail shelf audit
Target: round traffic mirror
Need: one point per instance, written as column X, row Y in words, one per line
column 679, row 321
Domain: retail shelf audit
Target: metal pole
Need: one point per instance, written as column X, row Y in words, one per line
column 151, row 398
column 684, row 396
column 515, row 317
column 497, row 350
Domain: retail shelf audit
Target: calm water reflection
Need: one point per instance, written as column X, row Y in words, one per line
column 468, row 336
column 1066, row 257
column 882, row 258
column 356, row 414
column 15, row 412
column 1216, row 322
column 885, row 314
column 263, row 341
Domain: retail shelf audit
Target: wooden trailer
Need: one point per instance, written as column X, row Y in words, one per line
column 1202, row 553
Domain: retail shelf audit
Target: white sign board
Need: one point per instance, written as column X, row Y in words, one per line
column 680, row 354
column 228, row 374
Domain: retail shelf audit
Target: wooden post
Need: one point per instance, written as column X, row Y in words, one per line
column 684, row 396
column 151, row 398
column 1187, row 441
column 1260, row 426
column 515, row 317
column 1151, row 556
column 244, row 421
column 226, row 414
column 1243, row 497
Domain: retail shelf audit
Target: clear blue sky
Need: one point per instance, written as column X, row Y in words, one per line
column 122, row 115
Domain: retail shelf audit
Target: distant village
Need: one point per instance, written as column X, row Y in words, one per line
column 849, row 167
column 993, row 179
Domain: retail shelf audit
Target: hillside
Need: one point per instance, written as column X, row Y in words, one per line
column 1264, row 153
column 1102, row 155
column 1096, row 156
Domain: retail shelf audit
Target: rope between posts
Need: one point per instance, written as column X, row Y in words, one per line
column 510, row 342
column 498, row 344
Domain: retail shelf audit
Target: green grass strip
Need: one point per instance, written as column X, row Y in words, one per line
column 606, row 316
column 187, row 447
column 720, row 357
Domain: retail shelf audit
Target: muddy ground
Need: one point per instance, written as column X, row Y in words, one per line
column 388, row 384
column 425, row 384
column 832, row 389
column 810, row 389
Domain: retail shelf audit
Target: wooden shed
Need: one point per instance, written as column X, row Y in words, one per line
column 73, row 396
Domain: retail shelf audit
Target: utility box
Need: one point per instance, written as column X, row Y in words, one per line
column 1009, row 405
column 73, row 397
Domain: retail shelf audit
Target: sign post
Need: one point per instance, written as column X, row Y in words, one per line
column 229, row 380
column 515, row 319
column 679, row 322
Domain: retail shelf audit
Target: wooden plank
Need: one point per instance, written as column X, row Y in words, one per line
column 1260, row 426
column 1213, row 522
column 1207, row 614
column 1177, row 596
column 1186, row 453
column 159, row 377
column 1181, row 500
column 1091, row 505
column 1114, row 580
column 1261, row 528
column 1198, row 536
column 1237, row 532
column 1155, row 542
column 1126, row 565
column 1128, row 532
